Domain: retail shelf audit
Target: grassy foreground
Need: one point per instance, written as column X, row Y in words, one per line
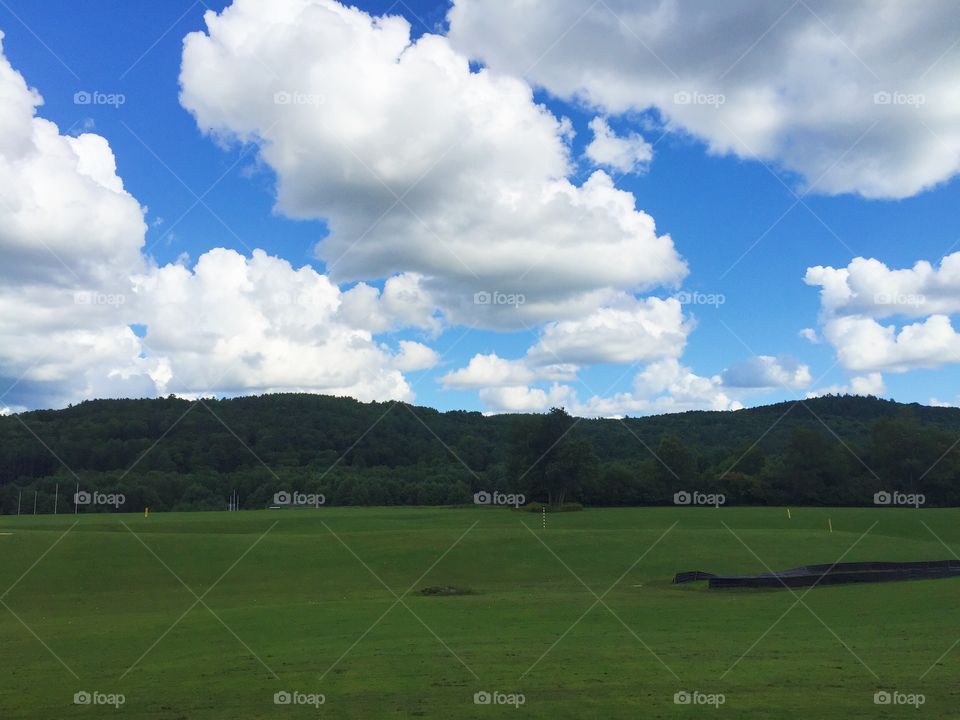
column 302, row 601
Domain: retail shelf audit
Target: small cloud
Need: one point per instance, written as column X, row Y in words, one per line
column 766, row 371
column 628, row 154
column 810, row 335
column 414, row 356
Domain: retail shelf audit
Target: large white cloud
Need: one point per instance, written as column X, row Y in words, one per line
column 915, row 302
column 70, row 236
column 258, row 325
column 869, row 287
column 64, row 214
column 418, row 164
column 863, row 344
column 74, row 282
column 857, row 96
column 488, row 230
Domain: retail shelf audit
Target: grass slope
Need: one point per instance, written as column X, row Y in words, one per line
column 306, row 599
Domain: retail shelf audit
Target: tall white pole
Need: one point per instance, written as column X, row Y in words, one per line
column 19, row 498
column 56, row 499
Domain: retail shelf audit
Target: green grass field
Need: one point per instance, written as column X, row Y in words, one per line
column 302, row 601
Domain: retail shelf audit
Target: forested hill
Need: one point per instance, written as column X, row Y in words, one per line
column 175, row 454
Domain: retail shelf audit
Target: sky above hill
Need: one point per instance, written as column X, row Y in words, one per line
column 623, row 207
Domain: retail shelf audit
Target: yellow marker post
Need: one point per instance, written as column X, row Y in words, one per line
column 830, row 524
column 788, row 513
column 146, row 512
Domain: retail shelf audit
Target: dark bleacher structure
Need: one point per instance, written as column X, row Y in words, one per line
column 835, row 574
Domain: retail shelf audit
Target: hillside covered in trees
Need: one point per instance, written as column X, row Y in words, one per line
column 173, row 454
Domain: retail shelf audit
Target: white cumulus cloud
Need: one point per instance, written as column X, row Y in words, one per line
column 625, row 154
column 630, row 331
column 239, row 324
column 418, row 164
column 857, row 96
column 880, row 319
column 766, row 371
column 869, row 287
column 75, row 282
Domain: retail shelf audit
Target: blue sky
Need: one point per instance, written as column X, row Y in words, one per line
column 745, row 227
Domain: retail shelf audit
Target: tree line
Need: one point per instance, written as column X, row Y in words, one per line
column 173, row 454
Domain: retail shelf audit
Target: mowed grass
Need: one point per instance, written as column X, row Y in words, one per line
column 303, row 600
